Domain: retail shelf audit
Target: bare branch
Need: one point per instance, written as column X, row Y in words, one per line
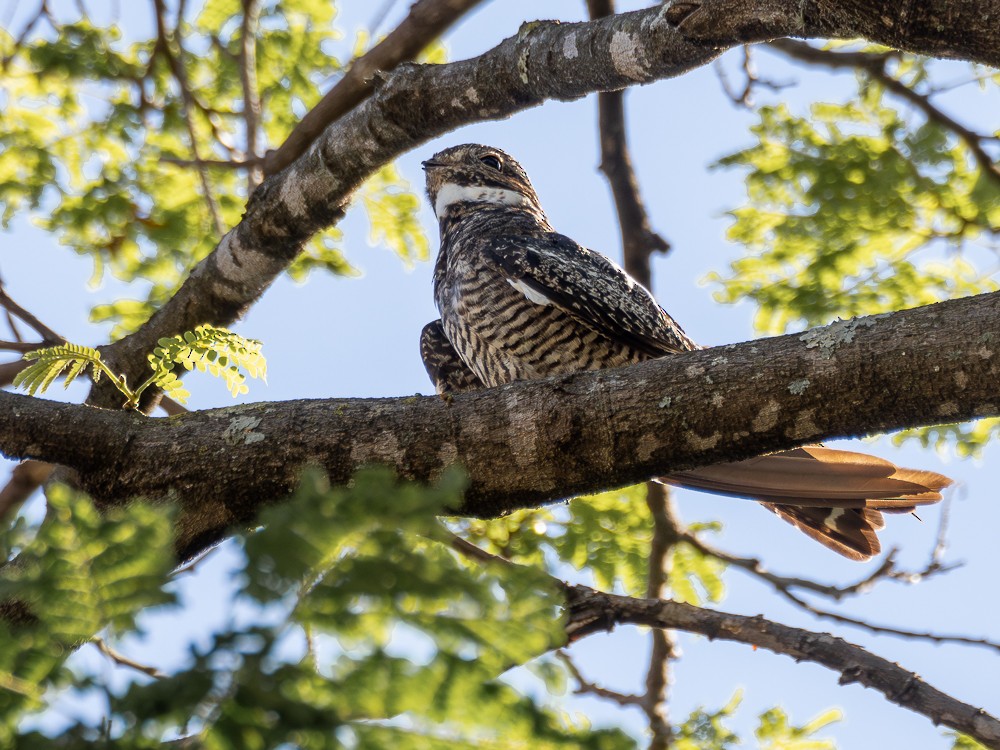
column 427, row 20
column 592, row 611
column 49, row 337
column 176, row 64
column 875, row 66
column 585, row 687
column 124, row 661
column 248, row 79
column 751, row 78
column 922, row 635
column 21, row 346
column 26, row 477
column 887, row 570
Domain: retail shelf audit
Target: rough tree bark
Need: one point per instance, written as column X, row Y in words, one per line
column 534, row 442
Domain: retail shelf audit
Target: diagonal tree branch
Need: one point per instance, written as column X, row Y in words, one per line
column 427, row 20
column 592, row 611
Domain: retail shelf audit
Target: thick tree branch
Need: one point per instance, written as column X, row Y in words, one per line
column 592, row 611
column 953, row 29
column 529, row 443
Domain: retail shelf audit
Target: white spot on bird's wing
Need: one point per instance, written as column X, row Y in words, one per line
column 450, row 194
column 831, row 520
column 533, row 295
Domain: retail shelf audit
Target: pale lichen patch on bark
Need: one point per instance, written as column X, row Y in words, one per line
column 627, row 56
column 717, row 400
column 646, row 445
column 237, row 265
column 384, row 449
column 569, row 49
column 767, row 417
column 293, row 197
column 241, row 430
column 798, row 387
column 829, row 338
column 700, row 443
column 947, row 409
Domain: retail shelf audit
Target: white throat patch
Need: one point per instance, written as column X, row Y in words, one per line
column 450, row 194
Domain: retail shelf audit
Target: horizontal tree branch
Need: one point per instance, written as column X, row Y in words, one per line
column 534, row 442
column 545, row 60
column 592, row 611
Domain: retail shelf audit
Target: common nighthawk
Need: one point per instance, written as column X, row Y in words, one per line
column 519, row 301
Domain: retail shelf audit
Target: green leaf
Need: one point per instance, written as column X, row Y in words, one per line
column 775, row 732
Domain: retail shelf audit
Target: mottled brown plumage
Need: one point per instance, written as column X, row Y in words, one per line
column 519, row 301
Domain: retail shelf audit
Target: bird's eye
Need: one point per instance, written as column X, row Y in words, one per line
column 492, row 162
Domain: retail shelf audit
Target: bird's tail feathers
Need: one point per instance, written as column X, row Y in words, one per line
column 836, row 497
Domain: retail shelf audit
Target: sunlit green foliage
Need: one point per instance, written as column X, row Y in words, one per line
column 704, row 730
column 79, row 573
column 964, row 742
column 707, row 731
column 844, row 209
column 339, row 578
column 217, row 351
column 775, row 732
column 854, row 209
column 96, row 142
column 608, row 536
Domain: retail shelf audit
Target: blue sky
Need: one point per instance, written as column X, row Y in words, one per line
column 367, row 330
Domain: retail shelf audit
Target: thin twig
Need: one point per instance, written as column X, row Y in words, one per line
column 592, row 611
column 49, row 337
column 875, row 66
column 176, row 64
column 248, row 80
column 21, row 346
column 585, row 687
column 26, row 477
column 751, row 79
column 193, row 563
column 124, row 661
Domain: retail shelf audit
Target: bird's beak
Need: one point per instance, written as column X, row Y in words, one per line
column 430, row 163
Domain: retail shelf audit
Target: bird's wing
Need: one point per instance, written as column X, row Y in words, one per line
column 447, row 371
column 551, row 269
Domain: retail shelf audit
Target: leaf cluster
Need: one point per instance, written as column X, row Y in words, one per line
column 855, row 209
column 361, row 628
column 217, row 351
column 100, row 142
column 607, row 536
